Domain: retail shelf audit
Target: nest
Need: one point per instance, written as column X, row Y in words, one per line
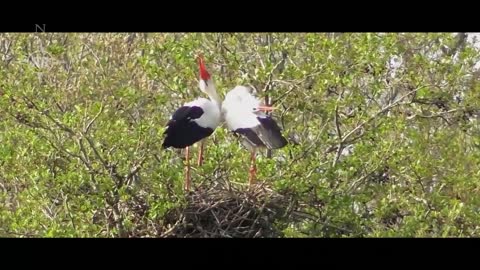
column 219, row 211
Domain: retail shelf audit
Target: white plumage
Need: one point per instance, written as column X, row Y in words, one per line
column 211, row 116
column 194, row 121
column 242, row 112
column 239, row 109
column 244, row 116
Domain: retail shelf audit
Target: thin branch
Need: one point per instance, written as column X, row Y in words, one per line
column 387, row 108
column 118, row 221
column 295, row 83
column 317, row 220
column 95, row 151
column 44, row 112
column 314, row 145
column 440, row 114
column 135, row 170
column 365, row 176
column 89, row 125
column 339, row 134
column 69, row 212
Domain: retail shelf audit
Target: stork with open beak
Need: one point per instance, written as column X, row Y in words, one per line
column 245, row 115
column 194, row 121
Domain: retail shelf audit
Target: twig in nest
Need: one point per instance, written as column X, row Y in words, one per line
column 216, row 211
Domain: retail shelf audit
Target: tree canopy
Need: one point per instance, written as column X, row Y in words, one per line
column 382, row 127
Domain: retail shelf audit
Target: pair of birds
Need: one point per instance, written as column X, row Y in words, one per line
column 243, row 113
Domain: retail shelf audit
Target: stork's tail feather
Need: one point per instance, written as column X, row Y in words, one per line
column 270, row 133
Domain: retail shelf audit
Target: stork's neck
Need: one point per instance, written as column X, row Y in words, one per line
column 213, row 95
column 211, row 91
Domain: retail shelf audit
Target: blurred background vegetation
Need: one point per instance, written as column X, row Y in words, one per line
column 383, row 130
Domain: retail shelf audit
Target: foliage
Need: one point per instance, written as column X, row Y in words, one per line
column 382, row 127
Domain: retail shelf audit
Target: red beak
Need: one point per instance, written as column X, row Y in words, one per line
column 266, row 108
column 204, row 75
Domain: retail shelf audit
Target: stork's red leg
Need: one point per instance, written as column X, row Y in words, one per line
column 253, row 169
column 187, row 169
column 200, row 153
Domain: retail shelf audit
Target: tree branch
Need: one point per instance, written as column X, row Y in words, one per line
column 89, row 125
column 387, row 108
column 339, row 134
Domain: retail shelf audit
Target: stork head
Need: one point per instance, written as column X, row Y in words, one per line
column 206, row 83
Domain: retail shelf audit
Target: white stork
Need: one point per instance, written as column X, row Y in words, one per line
column 194, row 121
column 245, row 116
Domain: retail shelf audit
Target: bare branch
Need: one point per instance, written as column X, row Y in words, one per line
column 315, row 219
column 69, row 212
column 89, row 125
column 118, row 221
column 440, row 115
column 44, row 112
column 95, row 151
column 385, row 109
column 371, row 172
column 339, row 134
column 134, row 171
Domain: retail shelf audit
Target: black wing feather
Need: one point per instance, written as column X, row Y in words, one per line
column 267, row 134
column 270, row 133
column 250, row 136
column 182, row 131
